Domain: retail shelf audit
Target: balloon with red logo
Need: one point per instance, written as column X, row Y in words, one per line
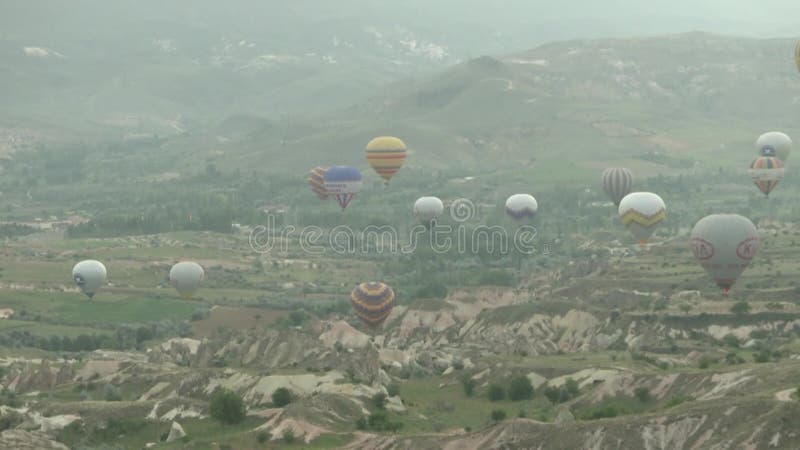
column 724, row 244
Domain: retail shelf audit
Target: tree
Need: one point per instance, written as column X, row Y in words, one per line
column 731, row 341
column 379, row 400
column 498, row 415
column 393, row 389
column 111, row 393
column 227, row 406
column 740, row 308
column 281, row 397
column 496, row 392
column 468, row 384
column 572, row 387
column 642, row 394
column 520, row 388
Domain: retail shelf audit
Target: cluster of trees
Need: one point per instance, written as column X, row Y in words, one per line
column 123, row 337
column 14, row 230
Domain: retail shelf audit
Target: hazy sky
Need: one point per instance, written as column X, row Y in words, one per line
column 527, row 22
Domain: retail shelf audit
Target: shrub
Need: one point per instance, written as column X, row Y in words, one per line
column 573, row 389
column 298, row 317
column 281, row 397
column 762, row 356
column 642, row 394
column 111, row 393
column 379, row 400
column 676, row 400
column 495, row 392
column 740, row 308
column 520, row 388
column 731, row 341
column 498, row 415
column 227, row 406
column 262, row 437
column 705, row 362
column 604, row 412
column 393, row 389
column 431, row 290
column 733, row 358
column 288, row 435
column 468, row 384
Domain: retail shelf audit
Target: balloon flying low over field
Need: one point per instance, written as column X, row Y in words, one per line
column 89, row 276
column 186, row 278
column 344, row 183
column 386, row 155
column 372, row 302
column 724, row 244
column 617, row 182
column 521, row 206
column 774, row 143
column 316, row 180
column 766, row 172
column 641, row 213
column 428, row 209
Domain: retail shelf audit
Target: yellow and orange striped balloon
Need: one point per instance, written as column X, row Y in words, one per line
column 386, row 154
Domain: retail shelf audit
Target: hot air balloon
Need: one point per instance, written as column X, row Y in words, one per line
column 641, row 212
column 89, row 275
column 766, row 171
column 521, row 206
column 316, row 179
column 724, row 244
column 797, row 55
column 386, row 155
column 372, row 302
column 186, row 277
column 428, row 209
column 617, row 182
column 774, row 143
column 344, row 182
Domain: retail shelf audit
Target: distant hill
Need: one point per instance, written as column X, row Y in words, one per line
column 660, row 104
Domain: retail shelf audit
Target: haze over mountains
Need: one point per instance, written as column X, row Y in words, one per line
column 149, row 64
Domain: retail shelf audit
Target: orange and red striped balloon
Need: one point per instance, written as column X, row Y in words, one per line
column 316, row 179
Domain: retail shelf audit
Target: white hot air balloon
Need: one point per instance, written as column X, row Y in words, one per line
column 186, row 277
column 521, row 206
column 774, row 143
column 428, row 209
column 89, row 276
column 641, row 213
column 724, row 244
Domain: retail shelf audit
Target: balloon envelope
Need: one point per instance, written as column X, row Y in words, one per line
column 774, row 143
column 386, row 154
column 428, row 209
column 724, row 244
column 343, row 182
column 89, row 275
column 186, row 277
column 617, row 182
column 521, row 206
column 766, row 171
column 372, row 302
column 797, row 55
column 316, row 180
column 641, row 213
